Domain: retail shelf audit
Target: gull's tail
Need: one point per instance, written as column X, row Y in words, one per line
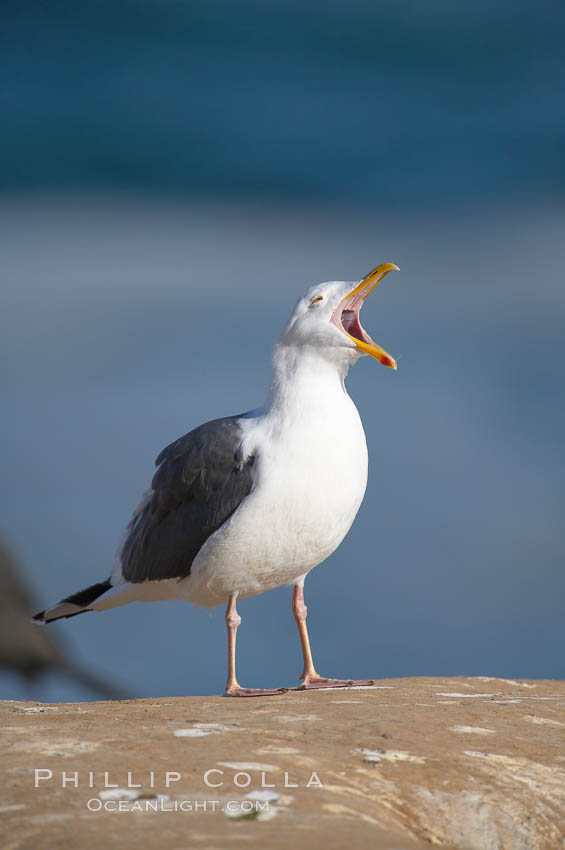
column 78, row 603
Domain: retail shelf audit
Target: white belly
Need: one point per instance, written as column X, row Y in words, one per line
column 311, row 479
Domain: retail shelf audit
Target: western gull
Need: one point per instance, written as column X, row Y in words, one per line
column 246, row 503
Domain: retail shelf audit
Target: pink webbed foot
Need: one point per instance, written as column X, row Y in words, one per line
column 320, row 682
column 238, row 691
column 310, row 679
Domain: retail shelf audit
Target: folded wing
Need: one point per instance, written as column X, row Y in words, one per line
column 201, row 479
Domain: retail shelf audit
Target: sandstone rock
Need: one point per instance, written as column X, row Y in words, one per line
column 470, row 763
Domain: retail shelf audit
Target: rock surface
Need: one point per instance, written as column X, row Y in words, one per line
column 473, row 763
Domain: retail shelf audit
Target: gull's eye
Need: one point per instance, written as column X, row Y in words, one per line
column 317, row 298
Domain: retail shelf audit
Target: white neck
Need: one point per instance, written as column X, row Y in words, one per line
column 304, row 378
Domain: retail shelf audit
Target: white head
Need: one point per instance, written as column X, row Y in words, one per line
column 326, row 322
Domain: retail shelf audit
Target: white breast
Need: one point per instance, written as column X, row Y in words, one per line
column 311, row 473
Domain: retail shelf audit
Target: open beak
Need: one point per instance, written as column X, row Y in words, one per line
column 346, row 315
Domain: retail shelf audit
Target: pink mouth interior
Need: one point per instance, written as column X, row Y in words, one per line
column 350, row 323
column 346, row 318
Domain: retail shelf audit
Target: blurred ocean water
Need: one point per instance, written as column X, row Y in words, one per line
column 367, row 102
column 173, row 176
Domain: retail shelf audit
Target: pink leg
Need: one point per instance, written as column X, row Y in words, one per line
column 310, row 679
column 233, row 688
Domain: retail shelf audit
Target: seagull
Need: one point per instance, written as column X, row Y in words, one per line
column 246, row 503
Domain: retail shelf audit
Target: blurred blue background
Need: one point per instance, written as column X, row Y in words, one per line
column 174, row 175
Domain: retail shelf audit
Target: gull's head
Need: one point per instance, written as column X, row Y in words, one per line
column 327, row 319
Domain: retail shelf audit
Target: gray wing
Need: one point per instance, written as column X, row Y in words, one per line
column 201, row 480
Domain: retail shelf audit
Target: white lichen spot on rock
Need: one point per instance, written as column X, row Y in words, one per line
column 376, row 756
column 360, row 688
column 248, row 765
column 191, row 733
column 543, row 721
column 265, row 795
column 472, row 730
column 297, row 718
column 506, row 681
column 119, row 794
column 199, row 730
column 466, row 696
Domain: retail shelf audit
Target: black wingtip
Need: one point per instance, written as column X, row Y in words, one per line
column 39, row 617
column 88, row 595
